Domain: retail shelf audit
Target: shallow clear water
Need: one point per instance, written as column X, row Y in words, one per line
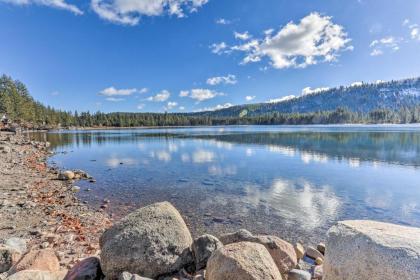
column 291, row 181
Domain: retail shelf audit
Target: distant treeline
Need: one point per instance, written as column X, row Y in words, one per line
column 21, row 108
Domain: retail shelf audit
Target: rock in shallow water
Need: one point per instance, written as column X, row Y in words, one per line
column 372, row 250
column 66, row 175
column 151, row 241
column 242, row 261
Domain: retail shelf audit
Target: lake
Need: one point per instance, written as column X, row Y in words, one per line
column 291, row 181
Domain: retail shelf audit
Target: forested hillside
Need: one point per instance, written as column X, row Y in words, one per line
column 362, row 98
column 393, row 102
column 20, row 107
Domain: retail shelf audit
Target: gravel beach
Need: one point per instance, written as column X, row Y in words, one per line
column 37, row 207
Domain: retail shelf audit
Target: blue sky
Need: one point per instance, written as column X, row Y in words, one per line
column 190, row 55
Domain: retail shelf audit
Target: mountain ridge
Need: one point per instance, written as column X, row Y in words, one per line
column 392, row 95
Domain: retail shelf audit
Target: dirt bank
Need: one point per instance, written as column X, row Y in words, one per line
column 34, row 205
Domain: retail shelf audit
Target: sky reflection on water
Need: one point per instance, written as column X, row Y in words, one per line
column 294, row 182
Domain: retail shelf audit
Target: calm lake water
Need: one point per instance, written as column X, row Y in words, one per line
column 291, row 181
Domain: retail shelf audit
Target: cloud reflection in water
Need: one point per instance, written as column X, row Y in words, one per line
column 297, row 201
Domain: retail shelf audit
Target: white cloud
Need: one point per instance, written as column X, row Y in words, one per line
column 268, row 32
column 129, row 12
column 223, row 21
column 182, row 108
column 309, row 90
column 112, row 91
column 184, row 93
column 160, row 97
column 143, row 90
column 200, row 94
column 250, row 98
column 376, row 52
column 242, row 36
column 55, row 93
column 414, row 29
column 114, row 99
column 229, row 79
column 314, row 39
column 281, row 99
column 414, row 32
column 380, row 45
column 170, row 105
column 215, row 108
column 141, row 106
column 219, row 48
column 59, row 4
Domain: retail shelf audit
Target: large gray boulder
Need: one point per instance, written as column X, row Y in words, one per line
column 360, row 250
column 151, row 241
column 242, row 261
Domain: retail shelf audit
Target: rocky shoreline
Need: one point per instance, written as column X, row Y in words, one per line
column 37, row 207
column 46, row 233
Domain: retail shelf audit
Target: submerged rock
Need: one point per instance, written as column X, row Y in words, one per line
column 202, row 249
column 66, row 175
column 242, row 261
column 75, row 189
column 151, row 241
column 372, row 250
